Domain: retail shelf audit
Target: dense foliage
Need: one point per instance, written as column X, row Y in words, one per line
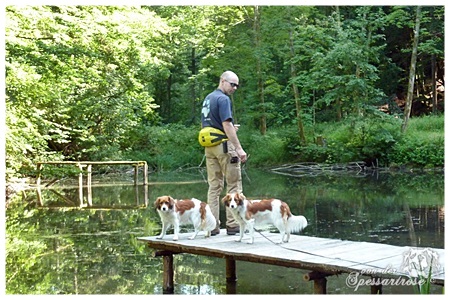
column 107, row 82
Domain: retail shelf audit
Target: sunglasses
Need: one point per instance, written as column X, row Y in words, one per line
column 233, row 85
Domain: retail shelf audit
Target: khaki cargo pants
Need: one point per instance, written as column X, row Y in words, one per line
column 220, row 169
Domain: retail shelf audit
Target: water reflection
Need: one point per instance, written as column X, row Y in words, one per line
column 107, row 196
column 93, row 250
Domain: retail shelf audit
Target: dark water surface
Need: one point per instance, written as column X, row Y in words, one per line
column 62, row 248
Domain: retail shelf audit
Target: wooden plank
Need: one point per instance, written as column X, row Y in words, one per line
column 301, row 241
column 222, row 238
column 225, row 241
column 360, row 252
column 347, row 260
column 375, row 253
column 327, row 251
column 343, row 248
column 327, row 256
column 323, row 250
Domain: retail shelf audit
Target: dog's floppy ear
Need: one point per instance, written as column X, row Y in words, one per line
column 157, row 202
column 172, row 202
column 225, row 198
column 242, row 196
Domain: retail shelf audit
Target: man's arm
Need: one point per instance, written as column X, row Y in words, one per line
column 230, row 131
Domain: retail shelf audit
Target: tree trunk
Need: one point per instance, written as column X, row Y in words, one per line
column 338, row 110
column 298, row 106
column 338, row 101
column 434, row 83
column 193, row 86
column 257, row 30
column 168, row 109
column 412, row 72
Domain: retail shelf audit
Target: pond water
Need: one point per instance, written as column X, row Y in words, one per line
column 55, row 245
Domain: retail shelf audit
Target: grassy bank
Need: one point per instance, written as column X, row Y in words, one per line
column 378, row 143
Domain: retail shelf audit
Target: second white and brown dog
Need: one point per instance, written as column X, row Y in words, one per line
column 175, row 212
column 251, row 213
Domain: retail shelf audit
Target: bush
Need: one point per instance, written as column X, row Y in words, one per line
column 167, row 147
column 314, row 153
column 426, row 124
column 424, row 150
column 352, row 140
column 265, row 150
column 377, row 141
column 422, row 145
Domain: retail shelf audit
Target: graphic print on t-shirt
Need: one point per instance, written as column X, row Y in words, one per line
column 206, row 108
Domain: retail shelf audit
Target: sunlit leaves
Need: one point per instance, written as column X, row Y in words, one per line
column 85, row 69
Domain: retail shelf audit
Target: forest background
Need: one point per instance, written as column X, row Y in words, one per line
column 327, row 84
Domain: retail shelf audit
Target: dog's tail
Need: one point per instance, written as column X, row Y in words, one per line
column 208, row 220
column 297, row 223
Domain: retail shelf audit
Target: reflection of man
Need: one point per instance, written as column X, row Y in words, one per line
column 224, row 159
column 417, row 262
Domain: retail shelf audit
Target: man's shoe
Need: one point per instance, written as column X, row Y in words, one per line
column 215, row 231
column 232, row 230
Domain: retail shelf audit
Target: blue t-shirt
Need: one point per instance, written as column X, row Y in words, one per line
column 216, row 109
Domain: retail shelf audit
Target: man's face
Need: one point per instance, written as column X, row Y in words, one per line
column 230, row 85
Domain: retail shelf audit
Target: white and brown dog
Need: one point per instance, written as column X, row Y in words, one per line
column 180, row 212
column 251, row 213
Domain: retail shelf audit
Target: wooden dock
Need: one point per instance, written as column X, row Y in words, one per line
column 367, row 264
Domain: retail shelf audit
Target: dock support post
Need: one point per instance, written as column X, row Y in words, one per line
column 230, row 275
column 320, row 285
column 230, row 269
column 168, row 285
column 376, row 289
column 320, row 281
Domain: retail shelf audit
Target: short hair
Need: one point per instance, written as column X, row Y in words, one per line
column 227, row 75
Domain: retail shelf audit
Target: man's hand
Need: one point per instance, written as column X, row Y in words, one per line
column 230, row 131
column 242, row 155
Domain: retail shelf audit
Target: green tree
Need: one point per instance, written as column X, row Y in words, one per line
column 195, row 40
column 412, row 71
column 344, row 74
column 79, row 75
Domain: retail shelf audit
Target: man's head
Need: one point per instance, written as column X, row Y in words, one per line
column 229, row 82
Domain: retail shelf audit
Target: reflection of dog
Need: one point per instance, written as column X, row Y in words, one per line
column 179, row 212
column 249, row 213
column 419, row 262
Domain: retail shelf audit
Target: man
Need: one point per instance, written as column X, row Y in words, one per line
column 224, row 160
